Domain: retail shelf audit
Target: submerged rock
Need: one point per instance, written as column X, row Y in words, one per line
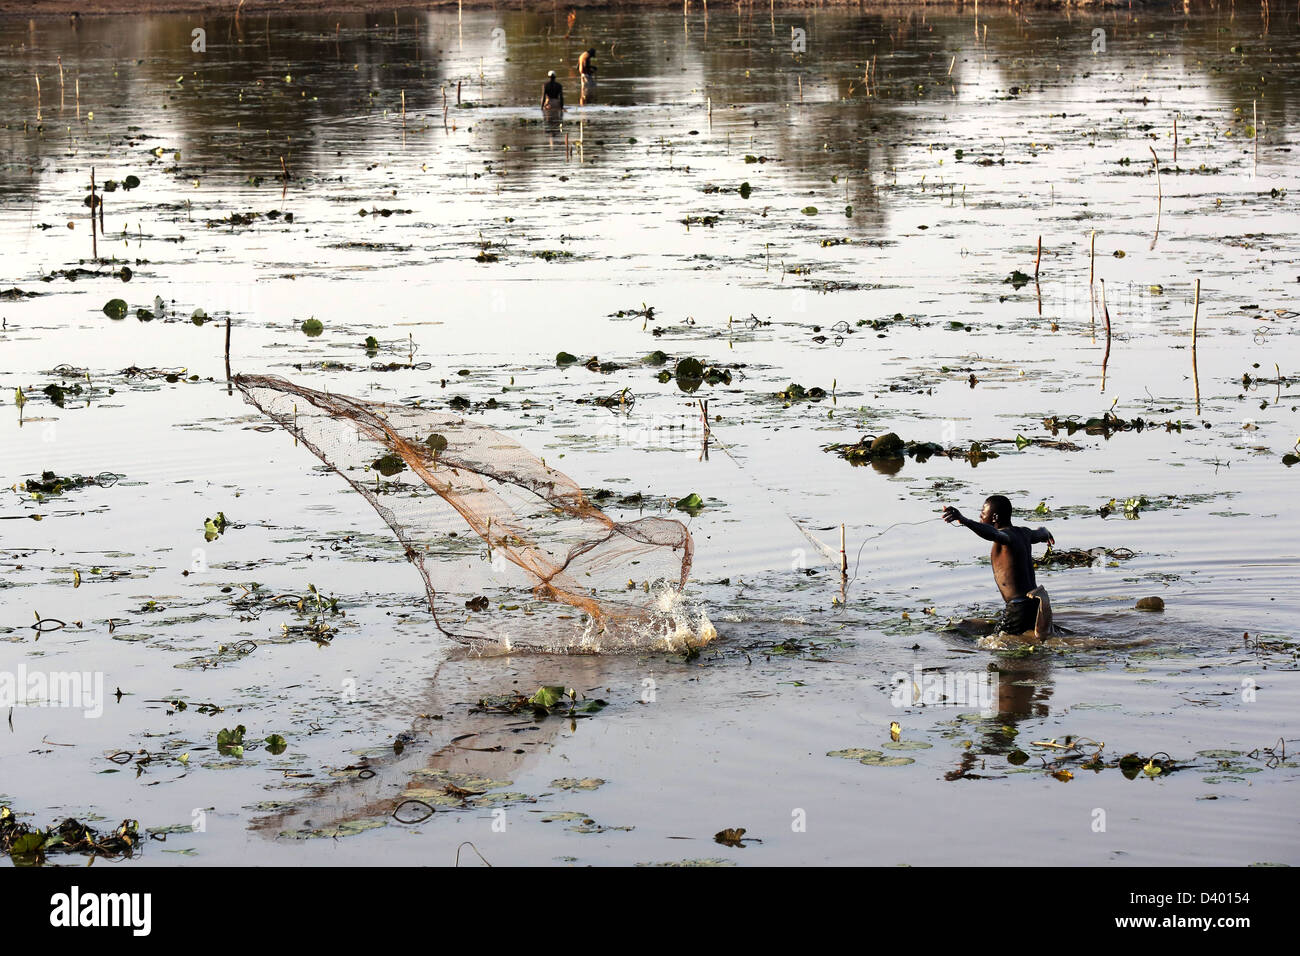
column 1150, row 604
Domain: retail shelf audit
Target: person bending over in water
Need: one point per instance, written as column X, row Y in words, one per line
column 552, row 93
column 1028, row 609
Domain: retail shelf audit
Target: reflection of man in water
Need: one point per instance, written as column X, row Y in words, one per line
column 552, row 93
column 1028, row 611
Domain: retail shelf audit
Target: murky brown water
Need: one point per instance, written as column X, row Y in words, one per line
column 899, row 172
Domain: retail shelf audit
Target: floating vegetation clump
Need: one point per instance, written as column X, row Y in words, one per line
column 691, row 373
column 51, row 484
column 1080, row 558
column 890, row 447
column 28, row 846
column 797, row 393
column 550, row 699
column 1109, row 423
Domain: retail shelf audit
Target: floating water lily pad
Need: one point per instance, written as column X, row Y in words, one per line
column 907, row 745
column 570, row 783
column 877, row 759
column 345, row 829
column 852, row 753
column 434, row 797
column 389, row 465
column 489, row 799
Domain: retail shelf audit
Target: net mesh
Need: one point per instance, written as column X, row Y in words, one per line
column 539, row 539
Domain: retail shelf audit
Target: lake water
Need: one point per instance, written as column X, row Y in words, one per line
column 844, row 201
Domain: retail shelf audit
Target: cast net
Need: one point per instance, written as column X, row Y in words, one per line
column 542, row 551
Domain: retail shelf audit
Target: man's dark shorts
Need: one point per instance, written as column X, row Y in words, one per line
column 1019, row 616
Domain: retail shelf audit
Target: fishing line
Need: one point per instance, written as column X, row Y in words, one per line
column 827, row 551
column 709, row 432
column 898, row 524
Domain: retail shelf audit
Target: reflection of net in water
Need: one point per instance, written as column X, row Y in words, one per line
column 535, row 521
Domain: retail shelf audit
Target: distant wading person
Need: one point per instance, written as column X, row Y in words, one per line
column 552, row 93
column 1028, row 609
column 587, row 74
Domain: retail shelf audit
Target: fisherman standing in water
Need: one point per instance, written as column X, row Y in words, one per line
column 552, row 93
column 587, row 74
column 1028, row 611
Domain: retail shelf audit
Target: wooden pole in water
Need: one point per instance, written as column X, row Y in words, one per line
column 403, row 107
column 228, row 376
column 1254, row 120
column 844, row 556
column 1105, row 359
column 1175, row 139
column 458, row 92
column 1039, row 257
column 1092, row 258
column 801, row 88
column 1092, row 288
column 1196, row 312
column 60, row 84
column 94, row 242
column 38, row 98
column 1160, row 196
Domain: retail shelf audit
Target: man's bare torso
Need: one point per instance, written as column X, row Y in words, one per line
column 1013, row 564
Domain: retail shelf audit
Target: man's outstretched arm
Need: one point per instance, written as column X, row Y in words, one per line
column 1039, row 535
column 985, row 531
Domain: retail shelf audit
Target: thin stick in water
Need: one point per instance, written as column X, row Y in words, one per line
column 94, row 241
column 1092, row 293
column 1160, row 196
column 1105, row 359
column 1254, row 120
column 1196, row 313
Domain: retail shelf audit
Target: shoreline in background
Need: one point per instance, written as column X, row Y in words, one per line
column 45, row 9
